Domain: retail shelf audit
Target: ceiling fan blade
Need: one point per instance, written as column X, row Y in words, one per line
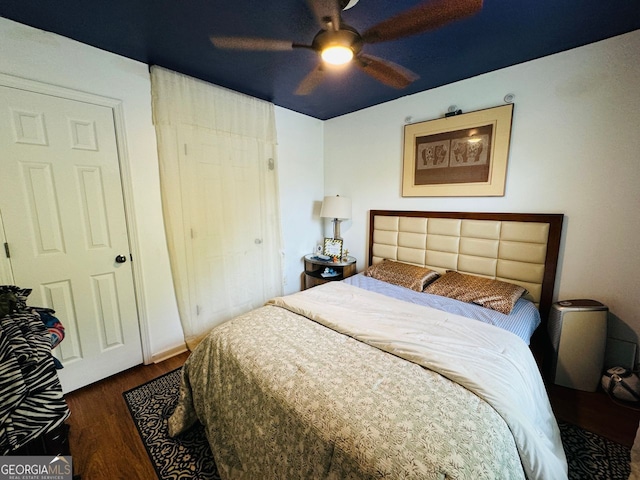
column 247, row 43
column 327, row 13
column 421, row 18
column 311, row 81
column 384, row 71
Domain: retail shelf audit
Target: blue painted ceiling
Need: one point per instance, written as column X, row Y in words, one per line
column 175, row 34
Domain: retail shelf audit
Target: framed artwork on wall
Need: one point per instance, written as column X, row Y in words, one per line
column 458, row 156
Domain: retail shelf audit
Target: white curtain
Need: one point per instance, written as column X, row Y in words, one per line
column 217, row 153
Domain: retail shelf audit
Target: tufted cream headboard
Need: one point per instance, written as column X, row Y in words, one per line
column 512, row 247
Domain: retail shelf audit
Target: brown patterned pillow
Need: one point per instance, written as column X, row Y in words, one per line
column 493, row 294
column 405, row 275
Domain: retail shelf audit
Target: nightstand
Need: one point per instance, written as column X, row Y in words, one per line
column 314, row 269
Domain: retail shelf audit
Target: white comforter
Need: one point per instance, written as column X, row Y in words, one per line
column 494, row 364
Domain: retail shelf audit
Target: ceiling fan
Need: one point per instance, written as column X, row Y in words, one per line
column 338, row 43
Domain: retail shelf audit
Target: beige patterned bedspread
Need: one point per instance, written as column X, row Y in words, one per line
column 284, row 397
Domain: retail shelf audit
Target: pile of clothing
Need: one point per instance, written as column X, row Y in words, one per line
column 31, row 399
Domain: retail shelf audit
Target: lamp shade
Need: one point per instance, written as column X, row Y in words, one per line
column 336, row 207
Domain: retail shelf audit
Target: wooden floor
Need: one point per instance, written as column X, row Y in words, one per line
column 596, row 412
column 105, row 444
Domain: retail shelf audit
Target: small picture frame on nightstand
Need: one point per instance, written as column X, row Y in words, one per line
column 333, row 247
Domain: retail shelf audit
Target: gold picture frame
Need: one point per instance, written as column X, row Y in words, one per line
column 461, row 155
column 333, row 247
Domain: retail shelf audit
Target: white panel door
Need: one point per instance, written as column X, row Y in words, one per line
column 62, row 205
column 221, row 188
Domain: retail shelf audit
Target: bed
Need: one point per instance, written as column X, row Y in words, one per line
column 343, row 381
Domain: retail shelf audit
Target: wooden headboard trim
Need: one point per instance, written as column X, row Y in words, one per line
column 553, row 241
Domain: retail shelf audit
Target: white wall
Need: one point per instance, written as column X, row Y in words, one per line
column 575, row 149
column 45, row 57
column 301, row 177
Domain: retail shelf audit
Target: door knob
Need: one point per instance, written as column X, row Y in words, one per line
column 121, row 259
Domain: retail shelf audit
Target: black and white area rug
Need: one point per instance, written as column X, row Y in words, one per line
column 591, row 456
column 188, row 457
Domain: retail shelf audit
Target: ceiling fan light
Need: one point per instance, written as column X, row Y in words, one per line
column 337, row 55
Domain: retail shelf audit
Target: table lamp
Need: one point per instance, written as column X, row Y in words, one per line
column 338, row 208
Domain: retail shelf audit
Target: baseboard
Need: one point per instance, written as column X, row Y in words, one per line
column 166, row 354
